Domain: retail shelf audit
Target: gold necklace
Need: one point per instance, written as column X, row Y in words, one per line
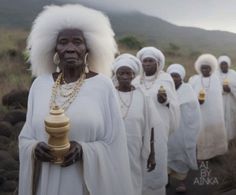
column 206, row 87
column 124, row 105
column 69, row 98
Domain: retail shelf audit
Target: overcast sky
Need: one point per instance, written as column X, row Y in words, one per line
column 207, row 14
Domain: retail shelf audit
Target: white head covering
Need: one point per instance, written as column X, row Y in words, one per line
column 96, row 29
column 206, row 59
column 224, row 59
column 177, row 68
column 152, row 52
column 129, row 61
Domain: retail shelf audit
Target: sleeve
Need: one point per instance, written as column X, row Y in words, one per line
column 27, row 143
column 105, row 162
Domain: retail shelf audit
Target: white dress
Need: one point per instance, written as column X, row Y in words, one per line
column 182, row 142
column 134, row 109
column 212, row 139
column 156, row 180
column 229, row 102
column 96, row 123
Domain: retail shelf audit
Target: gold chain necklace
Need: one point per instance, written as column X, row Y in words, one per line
column 124, row 105
column 206, row 87
column 69, row 98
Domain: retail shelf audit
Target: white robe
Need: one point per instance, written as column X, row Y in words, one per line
column 212, row 139
column 229, row 103
column 96, row 123
column 182, row 142
column 138, row 128
column 158, row 178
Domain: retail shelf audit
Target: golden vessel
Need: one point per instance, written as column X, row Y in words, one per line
column 57, row 126
column 202, row 95
column 225, row 82
column 161, row 90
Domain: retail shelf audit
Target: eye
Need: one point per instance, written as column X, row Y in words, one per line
column 63, row 41
column 78, row 41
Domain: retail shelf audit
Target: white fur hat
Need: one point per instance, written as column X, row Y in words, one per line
column 129, row 61
column 224, row 59
column 53, row 19
column 206, row 59
column 152, row 52
column 177, row 68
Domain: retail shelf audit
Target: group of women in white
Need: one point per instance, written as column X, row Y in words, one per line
column 126, row 136
column 192, row 120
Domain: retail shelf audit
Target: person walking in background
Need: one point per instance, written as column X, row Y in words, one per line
column 138, row 120
column 212, row 139
column 228, row 82
column 182, row 142
column 157, row 84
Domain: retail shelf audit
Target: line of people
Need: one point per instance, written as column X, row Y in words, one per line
column 191, row 121
column 123, row 140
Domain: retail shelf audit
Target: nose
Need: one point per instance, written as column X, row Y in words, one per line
column 70, row 48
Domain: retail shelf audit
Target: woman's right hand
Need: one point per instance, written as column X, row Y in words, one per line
column 201, row 102
column 43, row 153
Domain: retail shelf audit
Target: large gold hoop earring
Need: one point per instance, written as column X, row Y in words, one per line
column 85, row 62
column 56, row 59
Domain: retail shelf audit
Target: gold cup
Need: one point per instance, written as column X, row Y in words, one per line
column 202, row 95
column 161, row 90
column 57, row 126
column 225, row 82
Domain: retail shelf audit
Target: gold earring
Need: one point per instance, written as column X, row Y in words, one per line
column 56, row 59
column 85, row 62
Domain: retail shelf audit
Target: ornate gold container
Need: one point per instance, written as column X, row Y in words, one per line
column 226, row 82
column 57, row 126
column 202, row 95
column 161, row 90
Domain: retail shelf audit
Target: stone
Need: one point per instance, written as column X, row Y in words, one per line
column 5, row 129
column 15, row 116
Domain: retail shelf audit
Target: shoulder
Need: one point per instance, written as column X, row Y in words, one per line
column 193, row 78
column 42, row 81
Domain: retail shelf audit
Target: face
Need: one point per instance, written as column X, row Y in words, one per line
column 206, row 70
column 124, row 75
column 177, row 79
column 149, row 66
column 71, row 48
column 224, row 67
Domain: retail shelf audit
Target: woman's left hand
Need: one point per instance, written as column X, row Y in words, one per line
column 151, row 162
column 73, row 155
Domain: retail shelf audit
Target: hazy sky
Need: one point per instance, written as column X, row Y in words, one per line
column 207, row 14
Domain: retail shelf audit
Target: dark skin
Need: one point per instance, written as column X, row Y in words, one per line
column 225, row 68
column 206, row 72
column 71, row 48
column 150, row 68
column 177, row 80
column 125, row 75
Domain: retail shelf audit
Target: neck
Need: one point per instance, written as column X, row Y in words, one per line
column 72, row 74
column 177, row 85
column 225, row 71
column 125, row 88
column 150, row 73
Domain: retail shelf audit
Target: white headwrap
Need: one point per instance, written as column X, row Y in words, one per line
column 206, row 59
column 152, row 52
column 129, row 61
column 96, row 29
column 224, row 59
column 177, row 68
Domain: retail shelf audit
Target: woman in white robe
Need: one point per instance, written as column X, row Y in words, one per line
column 151, row 79
column 182, row 142
column 136, row 115
column 97, row 161
column 228, row 81
column 212, row 139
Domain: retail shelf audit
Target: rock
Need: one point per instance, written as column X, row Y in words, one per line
column 5, row 129
column 4, row 142
column 9, row 165
column 4, row 155
column 2, row 179
column 11, row 175
column 16, row 129
column 15, row 116
column 16, row 99
column 9, row 186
